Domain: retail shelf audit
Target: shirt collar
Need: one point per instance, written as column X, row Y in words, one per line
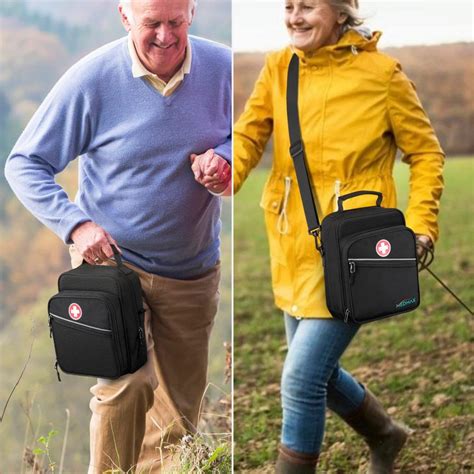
column 139, row 70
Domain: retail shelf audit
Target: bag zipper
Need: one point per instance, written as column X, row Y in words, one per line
column 56, row 364
column 141, row 331
column 381, row 259
column 52, row 315
column 125, row 359
column 354, row 238
column 113, row 322
column 141, row 334
column 374, row 262
column 107, row 332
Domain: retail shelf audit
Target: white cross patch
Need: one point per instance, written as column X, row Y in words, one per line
column 383, row 248
column 75, row 311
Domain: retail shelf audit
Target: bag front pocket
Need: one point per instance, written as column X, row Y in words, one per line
column 379, row 288
column 85, row 319
column 380, row 274
column 83, row 349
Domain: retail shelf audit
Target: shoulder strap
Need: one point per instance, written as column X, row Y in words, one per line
column 297, row 152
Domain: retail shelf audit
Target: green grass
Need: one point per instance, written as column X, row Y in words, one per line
column 420, row 365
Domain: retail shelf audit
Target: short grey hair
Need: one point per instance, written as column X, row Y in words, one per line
column 127, row 8
column 350, row 8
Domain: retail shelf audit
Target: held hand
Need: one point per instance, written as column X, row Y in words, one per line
column 211, row 170
column 420, row 250
column 93, row 242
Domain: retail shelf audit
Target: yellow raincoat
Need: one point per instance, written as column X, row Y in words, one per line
column 356, row 108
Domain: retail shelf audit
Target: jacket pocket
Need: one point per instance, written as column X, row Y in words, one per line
column 274, row 202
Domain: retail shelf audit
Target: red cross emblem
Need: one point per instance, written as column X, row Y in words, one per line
column 383, row 248
column 75, row 311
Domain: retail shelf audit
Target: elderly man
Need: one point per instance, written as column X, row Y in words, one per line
column 150, row 116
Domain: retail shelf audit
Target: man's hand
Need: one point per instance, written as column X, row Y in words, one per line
column 93, row 242
column 420, row 251
column 211, row 170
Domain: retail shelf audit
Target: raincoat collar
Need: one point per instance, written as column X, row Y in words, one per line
column 350, row 43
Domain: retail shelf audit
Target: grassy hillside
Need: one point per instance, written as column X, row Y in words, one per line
column 420, row 364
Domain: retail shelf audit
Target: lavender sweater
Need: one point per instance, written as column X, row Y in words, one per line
column 135, row 178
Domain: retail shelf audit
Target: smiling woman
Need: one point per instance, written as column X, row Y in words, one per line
column 312, row 24
column 356, row 108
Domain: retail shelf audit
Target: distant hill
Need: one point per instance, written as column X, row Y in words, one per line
column 443, row 75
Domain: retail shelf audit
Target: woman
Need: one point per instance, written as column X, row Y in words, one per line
column 356, row 108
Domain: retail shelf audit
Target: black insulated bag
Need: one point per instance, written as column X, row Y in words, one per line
column 369, row 254
column 96, row 321
column 370, row 266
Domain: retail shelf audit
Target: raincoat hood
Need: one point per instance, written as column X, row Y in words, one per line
column 352, row 41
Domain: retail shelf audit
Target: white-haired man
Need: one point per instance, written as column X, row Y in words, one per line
column 150, row 116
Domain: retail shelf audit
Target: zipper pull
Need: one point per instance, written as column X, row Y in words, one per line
column 57, row 370
column 347, row 312
column 352, row 270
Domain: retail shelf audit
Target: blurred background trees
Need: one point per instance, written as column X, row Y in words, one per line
column 39, row 41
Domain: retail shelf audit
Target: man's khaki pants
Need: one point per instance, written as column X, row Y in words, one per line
column 137, row 418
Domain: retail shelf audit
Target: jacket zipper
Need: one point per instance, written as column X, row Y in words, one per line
column 337, row 192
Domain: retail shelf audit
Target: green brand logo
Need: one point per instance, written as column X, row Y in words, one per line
column 404, row 303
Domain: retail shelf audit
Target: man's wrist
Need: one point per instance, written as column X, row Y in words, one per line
column 73, row 231
column 224, row 192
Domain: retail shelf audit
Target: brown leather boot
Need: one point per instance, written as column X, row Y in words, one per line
column 384, row 436
column 293, row 462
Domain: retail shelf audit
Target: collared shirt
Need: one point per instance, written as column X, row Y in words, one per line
column 165, row 89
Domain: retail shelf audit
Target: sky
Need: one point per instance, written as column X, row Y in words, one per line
column 258, row 24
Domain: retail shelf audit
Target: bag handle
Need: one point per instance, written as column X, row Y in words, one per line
column 341, row 199
column 298, row 154
column 117, row 256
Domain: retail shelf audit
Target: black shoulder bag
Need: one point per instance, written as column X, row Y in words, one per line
column 369, row 254
column 96, row 321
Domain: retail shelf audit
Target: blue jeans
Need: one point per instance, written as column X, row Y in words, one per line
column 312, row 379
